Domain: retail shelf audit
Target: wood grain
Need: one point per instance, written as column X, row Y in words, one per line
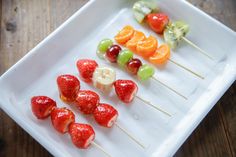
column 24, row 23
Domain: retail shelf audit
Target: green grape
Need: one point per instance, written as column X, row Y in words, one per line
column 145, row 72
column 124, row 57
column 104, row 45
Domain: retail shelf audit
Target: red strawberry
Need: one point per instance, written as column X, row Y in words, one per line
column 86, row 67
column 68, row 86
column 61, row 119
column 158, row 22
column 42, row 106
column 87, row 101
column 105, row 115
column 81, row 135
column 126, row 90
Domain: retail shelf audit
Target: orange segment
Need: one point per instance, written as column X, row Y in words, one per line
column 124, row 35
column 161, row 55
column 147, row 47
column 132, row 43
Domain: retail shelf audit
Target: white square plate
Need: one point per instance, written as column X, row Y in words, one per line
column 35, row 74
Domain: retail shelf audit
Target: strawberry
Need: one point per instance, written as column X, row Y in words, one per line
column 61, row 119
column 87, row 101
column 125, row 90
column 86, row 67
column 158, row 22
column 42, row 106
column 81, row 135
column 105, row 115
column 68, row 86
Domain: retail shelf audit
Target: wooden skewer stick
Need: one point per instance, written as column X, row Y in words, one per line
column 130, row 135
column 101, row 148
column 187, row 69
column 153, row 106
column 175, row 91
column 198, row 48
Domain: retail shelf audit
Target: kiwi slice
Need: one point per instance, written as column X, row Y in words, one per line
column 143, row 8
column 174, row 32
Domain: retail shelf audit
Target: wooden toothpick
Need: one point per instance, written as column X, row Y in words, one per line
column 101, row 148
column 129, row 134
column 153, row 106
column 187, row 69
column 198, row 48
column 175, row 91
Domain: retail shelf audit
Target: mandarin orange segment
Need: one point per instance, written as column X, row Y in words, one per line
column 161, row 55
column 124, row 35
column 147, row 47
column 132, row 43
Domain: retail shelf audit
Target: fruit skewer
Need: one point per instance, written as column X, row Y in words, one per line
column 104, row 79
column 125, row 60
column 63, row 120
column 137, row 42
column 88, row 103
column 159, row 23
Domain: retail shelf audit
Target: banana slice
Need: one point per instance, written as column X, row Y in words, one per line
column 103, row 78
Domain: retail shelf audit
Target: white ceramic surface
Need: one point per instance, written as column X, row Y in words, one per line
column 35, row 74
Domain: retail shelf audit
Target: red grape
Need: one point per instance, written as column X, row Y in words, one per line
column 133, row 65
column 113, row 52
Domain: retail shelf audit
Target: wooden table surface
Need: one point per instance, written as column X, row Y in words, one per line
column 24, row 23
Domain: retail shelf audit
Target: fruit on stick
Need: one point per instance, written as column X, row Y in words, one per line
column 124, row 57
column 87, row 101
column 175, row 32
column 103, row 46
column 142, row 8
column 42, row 106
column 161, row 55
column 147, row 47
column 105, row 115
column 145, row 72
column 61, row 119
column 124, row 35
column 103, row 78
column 68, row 86
column 125, row 90
column 112, row 53
column 133, row 65
column 158, row 22
column 132, row 43
column 86, row 68
column 81, row 135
